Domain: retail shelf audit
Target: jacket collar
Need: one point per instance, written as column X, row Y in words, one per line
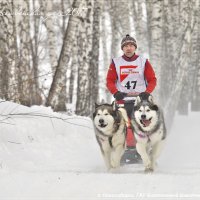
column 129, row 59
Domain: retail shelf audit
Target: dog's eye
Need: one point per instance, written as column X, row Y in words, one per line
column 98, row 114
column 140, row 110
column 148, row 110
column 106, row 113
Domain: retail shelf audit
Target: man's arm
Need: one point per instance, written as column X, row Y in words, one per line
column 150, row 77
column 111, row 78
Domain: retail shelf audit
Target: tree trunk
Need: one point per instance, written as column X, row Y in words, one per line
column 183, row 60
column 59, row 78
column 8, row 52
column 52, row 44
column 27, row 82
column 72, row 79
column 156, row 41
column 183, row 102
column 83, row 106
column 169, row 34
column 195, row 101
column 114, row 28
column 106, row 59
column 94, row 62
column 140, row 26
column 195, row 74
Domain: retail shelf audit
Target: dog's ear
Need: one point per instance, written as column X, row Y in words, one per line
column 96, row 105
column 114, row 105
column 137, row 101
column 155, row 107
column 150, row 99
column 94, row 114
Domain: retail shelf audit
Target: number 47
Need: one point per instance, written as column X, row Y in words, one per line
column 130, row 84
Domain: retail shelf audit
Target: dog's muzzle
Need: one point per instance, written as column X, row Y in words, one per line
column 145, row 122
column 102, row 123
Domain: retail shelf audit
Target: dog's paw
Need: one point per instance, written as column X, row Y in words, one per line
column 147, row 163
column 148, row 170
column 153, row 165
column 114, row 170
column 115, row 163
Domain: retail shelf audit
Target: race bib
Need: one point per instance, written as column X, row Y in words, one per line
column 130, row 75
column 125, row 71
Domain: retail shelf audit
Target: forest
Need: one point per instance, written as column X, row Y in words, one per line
column 57, row 53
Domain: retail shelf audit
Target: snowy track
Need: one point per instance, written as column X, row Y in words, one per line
column 47, row 159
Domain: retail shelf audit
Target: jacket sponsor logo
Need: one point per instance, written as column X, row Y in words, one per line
column 127, row 70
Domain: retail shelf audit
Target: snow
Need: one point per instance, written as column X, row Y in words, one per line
column 46, row 155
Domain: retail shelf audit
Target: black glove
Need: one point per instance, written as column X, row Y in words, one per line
column 119, row 95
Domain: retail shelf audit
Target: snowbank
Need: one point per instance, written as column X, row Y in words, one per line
column 48, row 155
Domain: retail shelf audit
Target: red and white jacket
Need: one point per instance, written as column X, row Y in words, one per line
column 134, row 74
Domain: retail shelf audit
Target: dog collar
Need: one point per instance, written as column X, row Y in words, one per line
column 142, row 135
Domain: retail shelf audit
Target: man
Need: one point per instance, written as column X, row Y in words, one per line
column 130, row 74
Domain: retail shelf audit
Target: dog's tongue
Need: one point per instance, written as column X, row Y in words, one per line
column 146, row 122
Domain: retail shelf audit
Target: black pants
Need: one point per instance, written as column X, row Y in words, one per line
column 129, row 105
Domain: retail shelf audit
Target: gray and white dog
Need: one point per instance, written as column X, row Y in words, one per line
column 110, row 129
column 149, row 129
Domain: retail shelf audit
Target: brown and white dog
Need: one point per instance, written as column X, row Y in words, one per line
column 110, row 129
column 149, row 129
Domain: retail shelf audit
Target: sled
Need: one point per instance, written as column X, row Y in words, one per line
column 130, row 155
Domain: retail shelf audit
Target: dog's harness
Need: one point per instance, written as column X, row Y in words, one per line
column 143, row 135
column 109, row 139
column 147, row 134
column 107, row 136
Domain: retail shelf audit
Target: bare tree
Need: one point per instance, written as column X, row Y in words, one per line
column 7, row 52
column 94, row 62
column 195, row 63
column 187, row 11
column 85, row 47
column 140, row 25
column 27, row 83
column 169, row 48
column 154, row 9
column 48, row 7
column 105, row 33
column 114, row 27
column 59, row 79
column 72, row 78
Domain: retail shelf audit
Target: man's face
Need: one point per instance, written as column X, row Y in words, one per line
column 129, row 49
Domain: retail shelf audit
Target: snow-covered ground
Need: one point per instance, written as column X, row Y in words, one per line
column 51, row 156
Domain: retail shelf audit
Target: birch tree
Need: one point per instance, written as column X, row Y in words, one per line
column 24, row 65
column 72, row 78
column 35, row 44
column 122, row 14
column 154, row 10
column 170, row 48
column 94, row 62
column 195, row 105
column 49, row 10
column 187, row 10
column 7, row 52
column 104, row 39
column 114, row 27
column 59, row 79
column 83, row 106
column 195, row 61
column 51, row 36
column 140, row 26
